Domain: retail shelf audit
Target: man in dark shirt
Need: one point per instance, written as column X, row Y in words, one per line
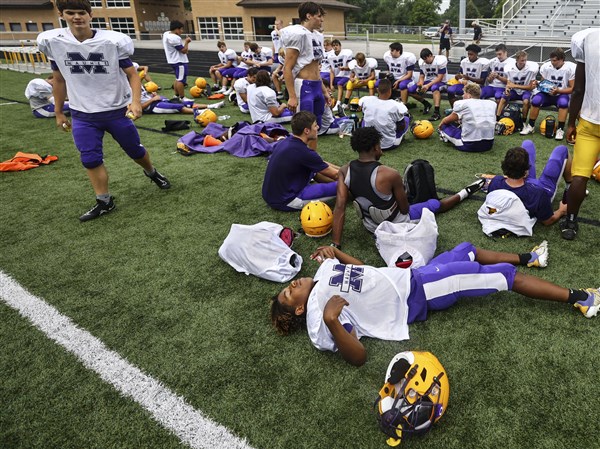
column 477, row 32
column 446, row 38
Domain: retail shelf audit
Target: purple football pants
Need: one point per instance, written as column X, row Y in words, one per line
column 541, row 100
column 553, row 170
column 453, row 275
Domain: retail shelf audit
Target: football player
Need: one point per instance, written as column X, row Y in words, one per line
column 520, row 82
column 472, row 68
column 176, row 50
column 561, row 74
column 276, row 39
column 362, row 73
column 433, row 74
column 497, row 78
column 241, row 89
column 262, row 101
column 401, row 65
column 339, row 72
column 225, row 69
column 242, row 67
column 325, row 65
column 347, row 300
column 39, row 94
column 584, row 106
column 262, row 58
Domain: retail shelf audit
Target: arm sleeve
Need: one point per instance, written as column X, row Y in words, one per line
column 125, row 47
column 292, row 40
column 270, row 98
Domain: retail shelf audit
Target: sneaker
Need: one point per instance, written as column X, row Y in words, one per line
column 215, row 87
column 560, row 134
column 100, row 208
column 175, row 100
column 426, row 107
column 220, row 104
column 590, row 306
column 443, row 136
column 435, row 117
column 159, row 180
column 475, row 186
column 527, row 129
column 222, row 90
column 228, row 91
column 568, row 229
column 341, row 111
column 540, row 256
column 336, row 107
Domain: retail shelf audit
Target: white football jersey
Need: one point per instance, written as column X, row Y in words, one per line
column 263, row 56
column 241, row 87
column 400, row 65
column 342, row 60
column 524, row 76
column 500, row 67
column 246, row 54
column 260, row 99
column 276, row 38
column 477, row 118
column 95, row 82
column 170, row 42
column 228, row 55
column 477, row 69
column 145, row 95
column 383, row 115
column 377, row 302
column 309, row 45
column 325, row 65
column 559, row 77
column 437, row 66
column 362, row 73
column 39, row 93
column 585, row 47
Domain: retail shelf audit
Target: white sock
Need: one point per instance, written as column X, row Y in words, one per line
column 463, row 194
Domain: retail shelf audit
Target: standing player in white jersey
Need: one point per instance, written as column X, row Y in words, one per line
column 433, row 75
column 96, row 69
column 520, row 82
column 585, row 106
column 497, row 79
column 39, row 94
column 276, row 39
column 472, row 68
column 303, row 52
column 176, row 50
column 561, row 75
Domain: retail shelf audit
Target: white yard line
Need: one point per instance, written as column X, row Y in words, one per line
column 12, row 102
column 170, row 410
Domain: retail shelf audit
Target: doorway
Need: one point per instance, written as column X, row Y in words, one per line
column 263, row 27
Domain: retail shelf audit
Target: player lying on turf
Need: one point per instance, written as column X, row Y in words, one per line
column 347, row 300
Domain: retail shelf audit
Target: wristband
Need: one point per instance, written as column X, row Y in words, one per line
column 335, row 245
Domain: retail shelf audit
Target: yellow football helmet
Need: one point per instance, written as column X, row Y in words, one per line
column 414, row 397
column 200, row 83
column 142, row 74
column 422, row 129
column 316, row 219
column 354, row 106
column 195, row 91
column 151, row 86
column 205, row 117
column 509, row 126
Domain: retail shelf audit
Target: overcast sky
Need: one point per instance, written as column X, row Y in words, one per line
column 444, row 6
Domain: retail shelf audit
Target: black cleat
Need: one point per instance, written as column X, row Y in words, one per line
column 426, row 107
column 100, row 208
column 568, row 229
column 158, row 179
column 475, row 186
column 435, row 117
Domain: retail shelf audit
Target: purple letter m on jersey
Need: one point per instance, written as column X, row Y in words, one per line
column 95, row 63
column 348, row 277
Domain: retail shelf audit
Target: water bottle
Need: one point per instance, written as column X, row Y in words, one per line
column 224, row 117
column 346, row 128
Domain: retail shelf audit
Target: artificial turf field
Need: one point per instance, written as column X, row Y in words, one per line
column 147, row 281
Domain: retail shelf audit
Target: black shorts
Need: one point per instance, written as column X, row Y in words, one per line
column 444, row 44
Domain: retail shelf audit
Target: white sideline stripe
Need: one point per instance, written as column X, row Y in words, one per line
column 12, row 102
column 170, row 410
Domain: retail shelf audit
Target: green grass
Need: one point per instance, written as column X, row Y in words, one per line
column 148, row 282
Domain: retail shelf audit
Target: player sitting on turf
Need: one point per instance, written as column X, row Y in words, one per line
column 536, row 194
column 262, row 101
column 156, row 104
column 347, row 300
column 401, row 65
column 379, row 190
column 39, row 94
column 241, row 89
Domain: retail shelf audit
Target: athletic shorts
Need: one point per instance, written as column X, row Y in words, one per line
column 587, row 148
column 181, row 71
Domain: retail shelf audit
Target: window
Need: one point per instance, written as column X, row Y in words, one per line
column 233, row 28
column 96, row 3
column 123, row 25
column 209, row 27
column 47, row 26
column 99, row 23
column 117, row 4
column 31, row 26
column 16, row 27
column 2, row 26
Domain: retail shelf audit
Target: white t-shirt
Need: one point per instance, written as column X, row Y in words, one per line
column 362, row 73
column 228, row 55
column 338, row 61
column 95, row 82
column 400, row 65
column 500, row 67
column 437, row 66
column 478, row 119
column 241, row 87
column 259, row 101
column 524, row 76
column 559, row 77
column 585, row 47
column 39, row 93
column 309, row 45
column 383, row 115
column 476, row 69
column 377, row 296
column 170, row 42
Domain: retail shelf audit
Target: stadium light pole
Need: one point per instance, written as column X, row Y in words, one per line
column 462, row 10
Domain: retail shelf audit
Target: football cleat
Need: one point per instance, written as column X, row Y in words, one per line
column 539, row 256
column 527, row 129
column 426, row 107
column 161, row 181
column 590, row 306
column 568, row 229
column 100, row 208
column 560, row 134
column 475, row 186
column 435, row 117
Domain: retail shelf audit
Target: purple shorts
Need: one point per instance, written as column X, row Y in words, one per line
column 525, row 96
column 227, row 73
column 495, row 92
column 455, row 90
column 434, row 87
column 181, row 71
column 541, row 100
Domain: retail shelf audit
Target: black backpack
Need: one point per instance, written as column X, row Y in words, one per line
column 513, row 112
column 419, row 182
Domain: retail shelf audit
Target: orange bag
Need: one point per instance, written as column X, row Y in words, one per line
column 26, row 161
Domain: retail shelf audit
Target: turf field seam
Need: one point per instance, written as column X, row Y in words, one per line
column 168, row 409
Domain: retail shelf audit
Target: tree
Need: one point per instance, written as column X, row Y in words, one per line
column 424, row 13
